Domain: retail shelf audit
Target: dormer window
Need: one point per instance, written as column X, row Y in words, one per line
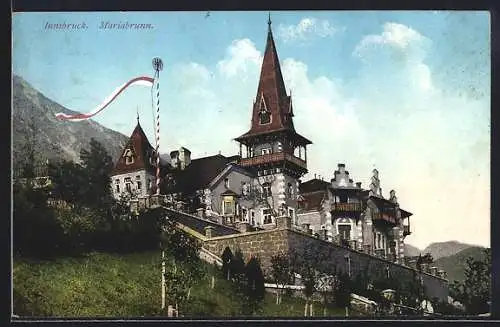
column 129, row 157
column 264, row 114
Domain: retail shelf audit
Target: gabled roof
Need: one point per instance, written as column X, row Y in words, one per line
column 311, row 201
column 231, row 167
column 272, row 97
column 313, row 185
column 382, row 203
column 142, row 152
column 197, row 175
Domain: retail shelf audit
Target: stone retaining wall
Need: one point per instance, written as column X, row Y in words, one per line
column 265, row 244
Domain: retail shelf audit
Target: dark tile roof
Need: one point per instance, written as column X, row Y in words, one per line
column 198, row 224
column 197, row 175
column 143, row 153
column 313, row 185
column 311, row 201
column 272, row 91
column 386, row 204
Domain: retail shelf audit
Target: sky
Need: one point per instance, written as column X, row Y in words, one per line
column 405, row 92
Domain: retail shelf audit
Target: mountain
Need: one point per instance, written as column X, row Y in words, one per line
column 411, row 251
column 34, row 114
column 445, row 249
column 455, row 264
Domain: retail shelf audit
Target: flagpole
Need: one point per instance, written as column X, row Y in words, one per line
column 158, row 66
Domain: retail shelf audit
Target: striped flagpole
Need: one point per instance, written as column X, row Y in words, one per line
column 158, row 135
column 157, row 66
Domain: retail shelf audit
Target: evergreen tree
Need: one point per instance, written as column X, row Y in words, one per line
column 98, row 166
column 227, row 257
column 475, row 291
column 255, row 291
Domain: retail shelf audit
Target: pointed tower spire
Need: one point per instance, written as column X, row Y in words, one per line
column 137, row 114
column 269, row 22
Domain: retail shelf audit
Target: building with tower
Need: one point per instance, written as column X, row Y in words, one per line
column 263, row 181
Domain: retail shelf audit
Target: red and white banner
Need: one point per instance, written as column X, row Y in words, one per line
column 142, row 80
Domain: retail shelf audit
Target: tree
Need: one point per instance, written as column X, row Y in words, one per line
column 475, row 291
column 282, row 272
column 326, row 286
column 68, row 179
column 182, row 249
column 36, row 230
column 98, row 166
column 255, row 285
column 227, row 257
column 343, row 291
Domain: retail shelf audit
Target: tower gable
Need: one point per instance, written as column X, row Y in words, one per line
column 138, row 154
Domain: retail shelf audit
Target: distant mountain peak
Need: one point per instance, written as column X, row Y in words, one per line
column 55, row 139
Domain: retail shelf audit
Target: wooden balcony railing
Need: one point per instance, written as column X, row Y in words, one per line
column 385, row 217
column 347, row 207
column 271, row 158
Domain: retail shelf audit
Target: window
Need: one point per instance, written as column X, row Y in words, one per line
column 244, row 214
column 252, row 214
column 266, row 213
column 228, row 208
column 266, row 151
column 266, row 189
column 290, row 212
column 226, row 183
column 138, row 185
column 117, row 188
column 289, row 190
column 343, row 198
column 265, row 117
column 128, row 184
column 244, row 188
column 378, row 241
column 345, row 232
column 129, row 157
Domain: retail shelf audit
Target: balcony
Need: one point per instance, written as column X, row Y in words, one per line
column 384, row 217
column 347, row 207
column 272, row 158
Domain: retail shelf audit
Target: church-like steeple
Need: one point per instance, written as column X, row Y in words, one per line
column 272, row 110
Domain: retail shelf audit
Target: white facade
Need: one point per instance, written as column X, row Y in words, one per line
column 135, row 184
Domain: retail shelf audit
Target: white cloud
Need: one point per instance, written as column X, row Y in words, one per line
column 306, row 28
column 393, row 119
column 240, row 56
column 398, row 36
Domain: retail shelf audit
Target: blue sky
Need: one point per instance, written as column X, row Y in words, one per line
column 405, row 92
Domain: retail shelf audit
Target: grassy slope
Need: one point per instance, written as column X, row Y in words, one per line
column 455, row 264
column 105, row 285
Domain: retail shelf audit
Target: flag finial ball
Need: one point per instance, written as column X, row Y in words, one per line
column 157, row 64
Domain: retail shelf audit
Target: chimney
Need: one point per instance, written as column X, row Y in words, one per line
column 184, row 158
column 314, row 176
column 341, row 167
column 209, row 231
column 174, row 159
